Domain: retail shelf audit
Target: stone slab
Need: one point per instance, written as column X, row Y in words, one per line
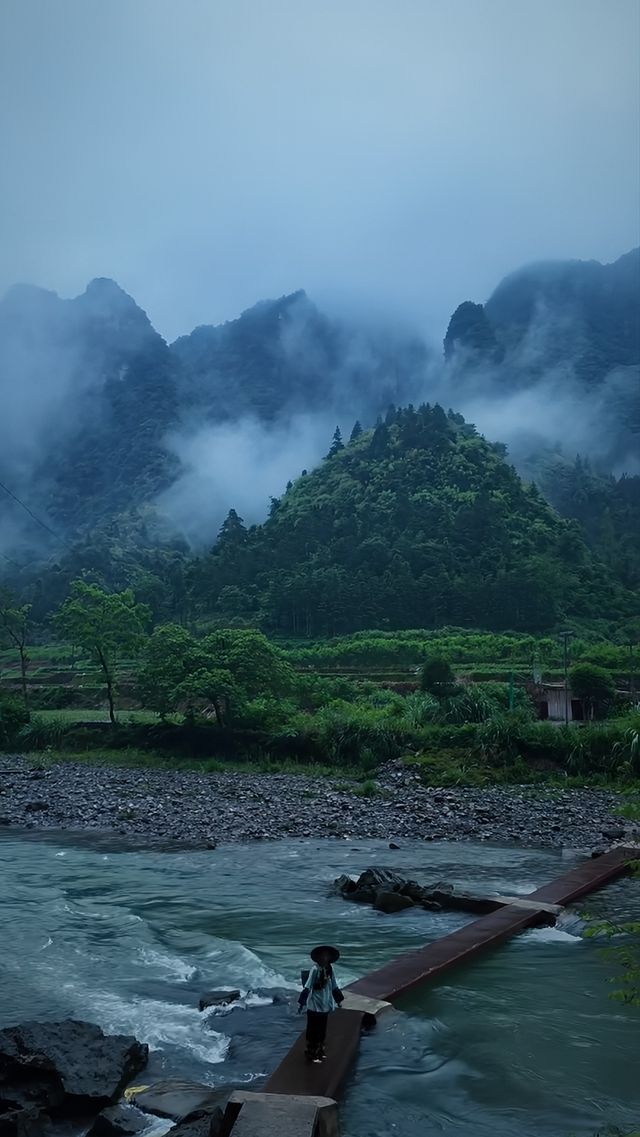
column 525, row 903
column 176, row 1099
column 280, row 1115
column 355, row 1002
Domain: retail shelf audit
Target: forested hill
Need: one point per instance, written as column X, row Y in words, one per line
column 417, row 523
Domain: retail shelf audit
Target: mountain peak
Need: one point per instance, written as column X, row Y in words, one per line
column 107, row 303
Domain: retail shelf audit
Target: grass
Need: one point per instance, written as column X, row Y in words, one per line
column 133, row 758
column 82, row 714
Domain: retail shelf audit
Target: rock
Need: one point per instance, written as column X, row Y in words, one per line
column 19, row 1121
column 218, row 999
column 118, row 1121
column 393, row 845
column 613, row 833
column 68, row 1066
column 392, row 902
column 344, row 885
column 453, row 901
column 372, row 881
column 280, row 996
column 413, row 890
column 36, row 806
column 207, row 1124
column 179, row 1100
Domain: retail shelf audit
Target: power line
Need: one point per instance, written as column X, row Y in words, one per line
column 38, row 520
column 11, row 562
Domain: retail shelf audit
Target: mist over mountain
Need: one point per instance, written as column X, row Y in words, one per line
column 104, row 419
column 552, row 360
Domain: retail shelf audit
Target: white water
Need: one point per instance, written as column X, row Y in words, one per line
column 524, row 1043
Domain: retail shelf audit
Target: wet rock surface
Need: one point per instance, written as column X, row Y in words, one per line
column 203, row 809
column 118, row 1121
column 218, row 998
column 61, row 1069
column 389, row 892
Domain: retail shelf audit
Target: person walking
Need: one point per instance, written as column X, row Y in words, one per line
column 320, row 995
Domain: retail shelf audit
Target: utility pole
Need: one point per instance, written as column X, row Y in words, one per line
column 565, row 637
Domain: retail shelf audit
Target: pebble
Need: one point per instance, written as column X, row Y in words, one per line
column 205, row 809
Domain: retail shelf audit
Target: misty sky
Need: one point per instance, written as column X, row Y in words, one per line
column 396, row 155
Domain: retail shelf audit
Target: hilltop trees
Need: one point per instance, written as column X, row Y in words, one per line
column 420, row 523
column 336, row 443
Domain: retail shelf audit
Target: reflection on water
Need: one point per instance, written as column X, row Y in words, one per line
column 525, row 1041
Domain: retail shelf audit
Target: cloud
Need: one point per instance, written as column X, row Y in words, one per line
column 241, row 466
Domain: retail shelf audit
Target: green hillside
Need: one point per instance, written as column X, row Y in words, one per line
column 419, row 523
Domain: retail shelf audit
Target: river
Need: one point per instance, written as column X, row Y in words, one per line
column 526, row 1041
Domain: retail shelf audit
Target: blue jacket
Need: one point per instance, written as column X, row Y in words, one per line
column 321, row 992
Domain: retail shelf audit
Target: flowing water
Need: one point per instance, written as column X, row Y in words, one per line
column 525, row 1041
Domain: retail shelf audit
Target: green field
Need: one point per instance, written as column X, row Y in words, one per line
column 70, row 715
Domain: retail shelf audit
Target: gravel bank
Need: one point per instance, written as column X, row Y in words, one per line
column 206, row 809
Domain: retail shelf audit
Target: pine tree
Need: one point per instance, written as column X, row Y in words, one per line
column 232, row 531
column 356, row 432
column 337, row 444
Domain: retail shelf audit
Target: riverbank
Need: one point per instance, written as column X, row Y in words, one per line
column 207, row 809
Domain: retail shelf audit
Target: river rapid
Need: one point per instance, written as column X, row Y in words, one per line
column 524, row 1042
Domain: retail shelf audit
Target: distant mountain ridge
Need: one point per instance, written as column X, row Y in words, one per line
column 92, row 393
column 589, row 311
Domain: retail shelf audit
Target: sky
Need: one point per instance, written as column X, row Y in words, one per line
column 389, row 156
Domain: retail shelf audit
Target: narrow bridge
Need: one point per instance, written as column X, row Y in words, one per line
column 299, row 1099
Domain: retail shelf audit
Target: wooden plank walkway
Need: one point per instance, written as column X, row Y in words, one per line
column 295, row 1076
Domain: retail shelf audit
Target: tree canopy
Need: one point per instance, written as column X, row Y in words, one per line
column 107, row 625
column 418, row 523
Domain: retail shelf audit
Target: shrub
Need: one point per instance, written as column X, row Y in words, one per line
column 437, row 678
column 594, row 685
column 13, row 717
column 420, row 708
column 471, row 705
column 39, row 734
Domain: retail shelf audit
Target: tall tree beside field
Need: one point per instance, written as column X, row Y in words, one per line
column 14, row 631
column 109, row 626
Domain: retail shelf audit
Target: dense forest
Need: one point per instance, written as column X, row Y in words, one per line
column 418, row 523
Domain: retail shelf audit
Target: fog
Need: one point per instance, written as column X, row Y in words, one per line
column 241, row 466
column 386, row 155
column 391, row 158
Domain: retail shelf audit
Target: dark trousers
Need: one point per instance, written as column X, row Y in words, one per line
column 316, row 1030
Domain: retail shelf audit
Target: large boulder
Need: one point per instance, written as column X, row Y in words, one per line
column 118, row 1121
column 210, row 1123
column 388, row 891
column 371, row 882
column 218, row 998
column 66, row 1066
column 392, row 902
column 179, row 1100
column 20, row 1121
